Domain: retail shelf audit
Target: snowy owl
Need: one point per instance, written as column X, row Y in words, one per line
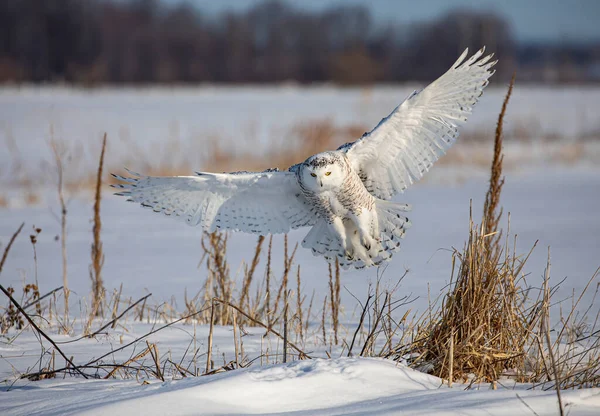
column 342, row 194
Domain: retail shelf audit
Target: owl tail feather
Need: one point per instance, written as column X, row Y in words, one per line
column 323, row 242
column 392, row 224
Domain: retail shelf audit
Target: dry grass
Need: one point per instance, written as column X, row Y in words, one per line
column 59, row 152
column 484, row 316
column 220, row 284
column 334, row 300
column 487, row 324
column 97, row 252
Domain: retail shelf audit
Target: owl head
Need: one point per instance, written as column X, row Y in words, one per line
column 322, row 172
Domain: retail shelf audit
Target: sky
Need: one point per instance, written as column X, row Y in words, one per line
column 531, row 20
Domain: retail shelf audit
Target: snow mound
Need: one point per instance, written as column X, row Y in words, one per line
column 314, row 387
column 301, row 385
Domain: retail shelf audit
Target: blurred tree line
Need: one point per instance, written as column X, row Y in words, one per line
column 142, row 41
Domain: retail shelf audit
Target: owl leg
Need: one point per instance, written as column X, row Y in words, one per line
column 365, row 221
column 337, row 227
column 355, row 246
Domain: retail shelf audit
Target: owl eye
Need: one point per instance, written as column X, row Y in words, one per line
column 314, row 175
column 327, row 173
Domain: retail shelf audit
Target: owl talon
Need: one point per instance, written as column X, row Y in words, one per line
column 366, row 242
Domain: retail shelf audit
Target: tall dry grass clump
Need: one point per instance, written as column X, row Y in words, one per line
column 484, row 326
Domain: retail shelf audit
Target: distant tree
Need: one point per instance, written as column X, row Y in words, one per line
column 47, row 40
column 436, row 45
column 147, row 41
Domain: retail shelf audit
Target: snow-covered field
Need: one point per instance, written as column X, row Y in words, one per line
column 314, row 387
column 140, row 121
column 555, row 204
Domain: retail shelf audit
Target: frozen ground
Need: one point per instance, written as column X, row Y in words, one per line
column 150, row 253
column 315, row 387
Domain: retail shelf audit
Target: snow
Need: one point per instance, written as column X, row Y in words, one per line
column 245, row 119
column 555, row 204
column 339, row 386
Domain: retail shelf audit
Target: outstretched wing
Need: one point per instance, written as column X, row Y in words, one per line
column 404, row 145
column 260, row 203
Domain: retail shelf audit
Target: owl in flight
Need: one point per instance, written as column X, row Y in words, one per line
column 343, row 195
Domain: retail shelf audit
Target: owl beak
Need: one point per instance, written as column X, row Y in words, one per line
column 321, row 183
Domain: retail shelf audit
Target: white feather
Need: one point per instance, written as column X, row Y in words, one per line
column 260, row 203
column 404, row 145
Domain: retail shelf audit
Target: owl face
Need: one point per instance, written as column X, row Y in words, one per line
column 322, row 173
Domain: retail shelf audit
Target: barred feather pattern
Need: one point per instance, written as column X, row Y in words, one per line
column 258, row 203
column 352, row 195
column 392, row 224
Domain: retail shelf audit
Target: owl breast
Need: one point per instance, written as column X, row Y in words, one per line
column 350, row 197
column 336, row 206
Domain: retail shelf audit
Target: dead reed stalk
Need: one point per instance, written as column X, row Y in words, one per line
column 334, row 296
column 285, row 327
column 9, row 245
column 59, row 154
column 545, row 328
column 235, row 340
column 156, row 358
column 250, row 272
column 491, row 215
column 97, row 252
column 210, row 337
column 33, row 238
column 267, row 307
column 287, row 264
column 323, row 314
column 299, row 301
column 219, row 283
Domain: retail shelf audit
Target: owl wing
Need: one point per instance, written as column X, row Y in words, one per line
column 254, row 202
column 404, row 145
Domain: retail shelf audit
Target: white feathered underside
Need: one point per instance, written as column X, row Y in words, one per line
column 259, row 203
column 418, row 132
column 392, row 224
